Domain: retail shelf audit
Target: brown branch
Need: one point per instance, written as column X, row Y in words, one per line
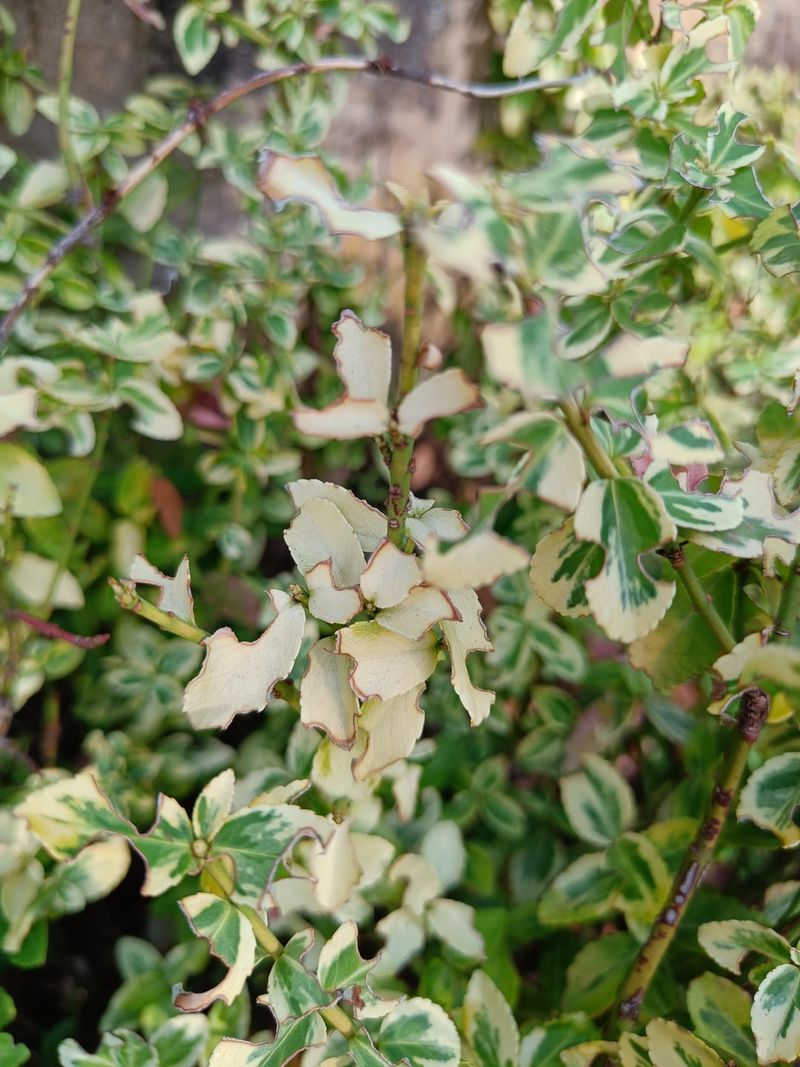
column 50, row 629
column 200, row 113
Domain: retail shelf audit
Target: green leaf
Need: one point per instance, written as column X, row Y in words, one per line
column 489, row 1023
column 729, row 941
column 682, row 646
column 421, row 1033
column 776, row 1016
column 542, row 1046
column 179, row 1041
column 720, row 1012
column 777, row 242
column 627, row 519
column 584, row 891
column 710, row 163
column 644, row 878
column 195, row 36
column 597, row 972
column 598, row 801
column 120, row 1049
column 772, row 795
column 12, row 1054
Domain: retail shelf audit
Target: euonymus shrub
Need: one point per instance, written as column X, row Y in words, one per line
column 557, row 840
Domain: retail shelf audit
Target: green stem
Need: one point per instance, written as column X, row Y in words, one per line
column 700, row 601
column 217, row 878
column 581, row 429
column 789, row 606
column 400, row 448
column 65, row 556
column 126, row 596
column 691, row 204
column 752, row 715
column 65, row 71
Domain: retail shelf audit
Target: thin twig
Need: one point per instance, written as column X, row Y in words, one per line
column 199, row 114
column 125, row 594
column 789, row 606
column 49, row 629
column 65, row 71
column 752, row 716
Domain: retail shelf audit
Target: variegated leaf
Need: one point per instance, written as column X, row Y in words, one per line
column 291, row 1039
column 598, row 801
column 771, row 797
column 729, row 941
column 775, row 1017
column 627, row 519
column 230, row 937
column 489, row 1023
column 560, row 569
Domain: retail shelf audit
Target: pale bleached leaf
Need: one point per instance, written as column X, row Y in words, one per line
column 345, row 420
column 448, row 393
column 453, row 923
column 320, row 532
column 422, row 608
column 238, row 676
column 326, row 601
column 462, row 637
column 385, row 664
column 479, row 559
column 26, row 488
column 284, row 178
column 521, row 52
column 629, row 356
column 326, row 699
column 368, row 523
column 335, row 868
column 390, row 576
column 35, row 580
column 175, row 594
column 391, row 728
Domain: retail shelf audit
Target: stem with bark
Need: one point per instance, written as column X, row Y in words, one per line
column 400, row 448
column 65, row 71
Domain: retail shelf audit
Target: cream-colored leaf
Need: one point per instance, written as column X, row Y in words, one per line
column 422, row 882
column 326, row 601
column 26, row 489
column 320, row 532
column 32, row 578
column 426, row 522
column 522, row 49
column 238, row 676
column 175, row 594
column 368, row 523
column 385, row 664
column 403, row 935
column 422, row 608
column 453, row 922
column 392, row 728
column 479, row 559
column 345, row 420
column 448, row 393
column 443, row 847
column 363, row 358
column 17, row 409
column 390, row 576
column 326, row 699
column 336, row 868
column 305, row 178
column 630, row 356
column 468, row 635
